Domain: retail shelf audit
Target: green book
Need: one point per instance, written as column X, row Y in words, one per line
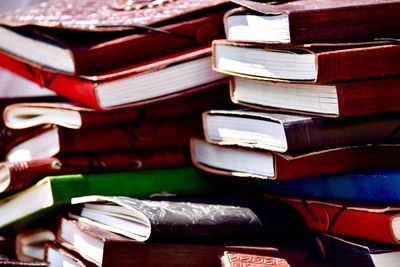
column 53, row 192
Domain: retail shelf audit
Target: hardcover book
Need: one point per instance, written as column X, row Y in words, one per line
column 312, row 21
column 89, row 37
column 337, row 100
column 375, row 223
column 255, row 163
column 326, row 64
column 289, row 132
column 139, row 84
column 29, row 244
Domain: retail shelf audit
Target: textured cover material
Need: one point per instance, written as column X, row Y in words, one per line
column 355, row 98
column 305, row 133
column 372, row 223
column 82, row 89
column 195, row 102
column 333, row 63
column 234, row 259
column 380, row 187
column 23, row 174
column 159, row 133
column 317, row 21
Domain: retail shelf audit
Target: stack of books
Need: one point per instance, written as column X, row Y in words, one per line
column 318, row 128
column 101, row 174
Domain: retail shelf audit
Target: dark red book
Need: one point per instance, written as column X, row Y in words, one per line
column 144, row 83
column 313, row 21
column 89, row 37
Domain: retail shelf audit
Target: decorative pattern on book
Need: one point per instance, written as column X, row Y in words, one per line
column 250, row 260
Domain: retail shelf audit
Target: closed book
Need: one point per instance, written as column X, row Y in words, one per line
column 89, row 37
column 379, row 187
column 326, row 64
column 29, row 244
column 255, row 163
column 375, row 223
column 59, row 255
column 289, row 132
column 49, row 194
column 336, row 100
column 52, row 140
column 139, row 84
column 358, row 252
column 312, row 21
column 20, row 175
column 105, row 248
column 72, row 115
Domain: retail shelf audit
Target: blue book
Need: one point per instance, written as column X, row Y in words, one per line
column 372, row 187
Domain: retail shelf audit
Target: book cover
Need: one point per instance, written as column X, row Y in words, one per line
column 290, row 132
column 325, row 64
column 51, row 193
column 256, row 163
column 135, row 85
column 311, row 21
column 89, row 37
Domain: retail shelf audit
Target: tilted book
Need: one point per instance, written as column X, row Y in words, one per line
column 143, row 83
column 312, row 21
column 324, row 64
column 89, row 37
column 336, row 100
column 289, row 132
column 256, row 163
column 375, row 223
column 72, row 115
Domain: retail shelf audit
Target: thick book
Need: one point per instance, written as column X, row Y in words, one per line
column 343, row 252
column 72, row 115
column 83, row 40
column 52, row 140
column 337, row 100
column 19, row 175
column 375, row 223
column 139, row 84
column 29, row 244
column 58, row 255
column 105, row 248
column 311, row 21
column 51, row 193
column 289, row 132
column 380, row 187
column 256, row 163
column 326, row 64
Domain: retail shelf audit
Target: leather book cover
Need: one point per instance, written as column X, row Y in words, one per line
column 313, row 21
column 375, row 223
column 332, row 63
column 234, row 259
column 28, row 114
column 84, row 89
column 17, row 176
column 163, row 133
column 101, row 37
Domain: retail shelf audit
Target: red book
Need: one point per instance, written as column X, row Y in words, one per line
column 141, row 84
column 366, row 222
column 87, row 37
column 324, row 64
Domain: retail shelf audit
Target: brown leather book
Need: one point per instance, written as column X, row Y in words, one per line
column 51, row 140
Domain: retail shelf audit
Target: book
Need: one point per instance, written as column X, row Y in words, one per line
column 138, row 84
column 326, row 64
column 358, row 252
column 231, row 259
column 379, row 187
column 340, row 99
column 19, row 175
column 52, row 140
column 289, row 132
column 256, row 163
column 83, row 40
column 72, row 115
column 375, row 223
column 29, row 244
column 59, row 255
column 46, row 197
column 310, row 21
column 105, row 248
